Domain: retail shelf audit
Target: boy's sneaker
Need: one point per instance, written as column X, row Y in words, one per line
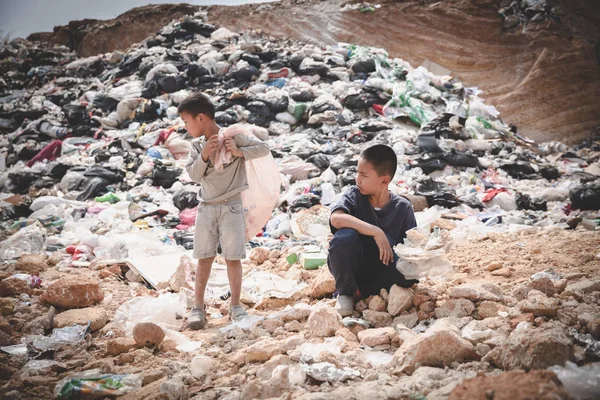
column 344, row 305
column 237, row 312
column 196, row 319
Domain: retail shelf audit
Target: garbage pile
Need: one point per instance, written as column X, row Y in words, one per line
column 92, row 156
column 97, row 141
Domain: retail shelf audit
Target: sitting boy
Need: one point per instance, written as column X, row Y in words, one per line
column 367, row 223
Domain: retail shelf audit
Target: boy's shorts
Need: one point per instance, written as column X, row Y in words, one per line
column 221, row 223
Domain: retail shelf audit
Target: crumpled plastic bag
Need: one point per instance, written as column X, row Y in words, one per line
column 424, row 256
column 162, row 310
column 311, row 223
column 28, row 240
column 264, row 182
column 583, row 383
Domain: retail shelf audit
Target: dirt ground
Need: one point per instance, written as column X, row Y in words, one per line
column 575, row 254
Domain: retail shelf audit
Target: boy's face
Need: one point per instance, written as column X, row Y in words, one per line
column 369, row 182
column 195, row 125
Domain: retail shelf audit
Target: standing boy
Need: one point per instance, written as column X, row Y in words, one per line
column 367, row 223
column 220, row 219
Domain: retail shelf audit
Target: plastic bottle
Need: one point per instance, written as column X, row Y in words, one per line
column 57, row 132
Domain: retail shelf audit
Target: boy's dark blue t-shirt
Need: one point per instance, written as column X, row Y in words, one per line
column 395, row 218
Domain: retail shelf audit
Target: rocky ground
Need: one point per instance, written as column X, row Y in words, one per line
column 457, row 338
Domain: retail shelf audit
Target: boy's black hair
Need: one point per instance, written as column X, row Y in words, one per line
column 382, row 158
column 197, row 103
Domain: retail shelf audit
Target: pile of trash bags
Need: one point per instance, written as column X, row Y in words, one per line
column 92, row 150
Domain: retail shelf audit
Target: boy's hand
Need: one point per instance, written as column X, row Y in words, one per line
column 232, row 147
column 210, row 147
column 386, row 254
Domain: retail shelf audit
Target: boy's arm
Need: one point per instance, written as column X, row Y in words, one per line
column 339, row 220
column 251, row 147
column 196, row 166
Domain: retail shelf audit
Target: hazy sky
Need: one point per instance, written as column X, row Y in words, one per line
column 19, row 18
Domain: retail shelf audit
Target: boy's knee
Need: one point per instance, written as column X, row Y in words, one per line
column 345, row 237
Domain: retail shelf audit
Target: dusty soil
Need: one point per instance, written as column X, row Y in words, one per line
column 570, row 253
column 530, row 251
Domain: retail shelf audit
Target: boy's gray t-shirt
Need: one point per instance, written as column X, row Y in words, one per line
column 220, row 185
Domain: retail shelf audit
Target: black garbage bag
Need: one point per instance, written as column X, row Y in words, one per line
column 151, row 90
column 194, row 26
column 130, row 64
column 226, row 118
column 314, row 69
column 245, row 74
column 185, row 239
column 365, row 65
column 185, row 199
column 549, row 172
column 279, row 105
column 445, row 199
column 45, row 181
column 295, row 63
column 437, row 193
column 261, row 113
column 349, row 176
column 170, row 83
column 586, row 197
column 111, row 175
column 361, row 137
column 76, row 114
column 429, row 165
column 304, row 201
column 165, row 176
column 321, row 107
column 461, row 159
column 251, row 59
column 260, row 120
column 92, row 187
column 440, row 127
column 21, row 181
column 360, row 101
column 268, row 56
column 472, row 201
column 84, row 129
column 427, row 142
column 526, row 202
column 148, row 111
column 105, row 103
column 374, row 126
column 520, row 170
column 320, row 160
column 15, row 212
column 196, row 71
column 59, row 170
column 7, row 125
column 301, row 96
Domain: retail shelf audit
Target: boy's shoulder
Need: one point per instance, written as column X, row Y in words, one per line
column 400, row 199
column 401, row 202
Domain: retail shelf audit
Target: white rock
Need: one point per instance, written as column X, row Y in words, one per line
column 200, row 366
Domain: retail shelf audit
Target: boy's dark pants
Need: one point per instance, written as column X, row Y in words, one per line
column 354, row 263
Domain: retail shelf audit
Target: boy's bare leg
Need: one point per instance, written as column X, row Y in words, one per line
column 234, row 273
column 202, row 275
